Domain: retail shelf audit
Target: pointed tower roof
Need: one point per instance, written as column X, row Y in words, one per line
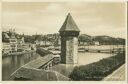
column 69, row 24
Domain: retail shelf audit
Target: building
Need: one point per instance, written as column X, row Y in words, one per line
column 83, row 43
column 14, row 43
column 20, row 40
column 6, row 48
column 69, row 33
column 26, row 47
column 96, row 43
column 13, row 39
column 43, row 43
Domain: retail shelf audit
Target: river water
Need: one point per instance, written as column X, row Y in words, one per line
column 87, row 58
column 12, row 63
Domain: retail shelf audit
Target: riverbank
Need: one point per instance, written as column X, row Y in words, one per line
column 18, row 53
column 102, row 48
column 98, row 70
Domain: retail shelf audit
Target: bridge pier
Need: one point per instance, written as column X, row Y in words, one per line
column 50, row 64
column 98, row 51
column 86, row 50
column 46, row 67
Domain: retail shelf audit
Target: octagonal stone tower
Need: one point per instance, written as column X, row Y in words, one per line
column 69, row 33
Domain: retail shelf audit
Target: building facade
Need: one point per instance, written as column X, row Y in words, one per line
column 14, row 44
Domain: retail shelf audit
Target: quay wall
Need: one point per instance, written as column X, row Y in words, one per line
column 19, row 53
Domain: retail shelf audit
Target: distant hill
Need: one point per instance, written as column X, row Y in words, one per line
column 85, row 38
column 107, row 40
column 103, row 40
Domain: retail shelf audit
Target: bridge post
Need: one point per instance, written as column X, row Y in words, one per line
column 53, row 62
column 50, row 64
column 46, row 67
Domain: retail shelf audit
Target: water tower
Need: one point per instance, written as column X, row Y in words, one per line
column 69, row 33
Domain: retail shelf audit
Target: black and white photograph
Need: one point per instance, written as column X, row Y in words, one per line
column 64, row 41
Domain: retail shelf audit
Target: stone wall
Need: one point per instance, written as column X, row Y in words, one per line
column 69, row 47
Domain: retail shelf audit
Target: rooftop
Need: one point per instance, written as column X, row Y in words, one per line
column 69, row 24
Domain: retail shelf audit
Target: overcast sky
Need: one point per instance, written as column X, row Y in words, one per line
column 48, row 17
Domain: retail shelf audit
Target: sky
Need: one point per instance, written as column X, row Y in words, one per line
column 92, row 18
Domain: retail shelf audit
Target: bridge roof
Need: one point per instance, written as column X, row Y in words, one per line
column 37, row 75
column 39, row 62
column 69, row 24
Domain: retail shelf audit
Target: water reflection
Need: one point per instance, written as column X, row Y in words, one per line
column 12, row 63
